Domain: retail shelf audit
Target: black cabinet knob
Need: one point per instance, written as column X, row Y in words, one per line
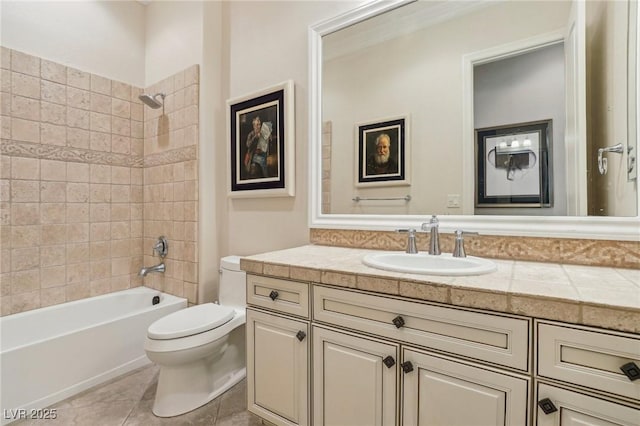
column 389, row 361
column 547, row 406
column 398, row 322
column 301, row 335
column 631, row 370
column 407, row 367
column 273, row 295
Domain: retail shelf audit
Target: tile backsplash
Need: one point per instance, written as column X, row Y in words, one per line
column 622, row 254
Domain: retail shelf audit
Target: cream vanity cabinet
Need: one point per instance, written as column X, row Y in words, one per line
column 323, row 355
column 278, row 350
column 586, row 376
column 380, row 360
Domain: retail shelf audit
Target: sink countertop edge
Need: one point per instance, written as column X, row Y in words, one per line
column 515, row 287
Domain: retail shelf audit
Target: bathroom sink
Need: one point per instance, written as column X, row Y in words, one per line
column 423, row 263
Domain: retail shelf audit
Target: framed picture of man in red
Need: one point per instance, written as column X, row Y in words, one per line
column 382, row 152
column 261, row 146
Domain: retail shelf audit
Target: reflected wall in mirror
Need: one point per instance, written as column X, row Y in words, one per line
column 409, row 61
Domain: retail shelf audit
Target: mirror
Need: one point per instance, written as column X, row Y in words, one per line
column 431, row 74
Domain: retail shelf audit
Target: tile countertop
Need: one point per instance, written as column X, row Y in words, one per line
column 588, row 295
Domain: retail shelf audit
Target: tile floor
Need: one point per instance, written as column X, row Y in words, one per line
column 127, row 401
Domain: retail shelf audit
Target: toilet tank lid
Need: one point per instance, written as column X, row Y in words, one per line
column 231, row 263
column 187, row 322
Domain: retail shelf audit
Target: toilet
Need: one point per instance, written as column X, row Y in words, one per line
column 200, row 350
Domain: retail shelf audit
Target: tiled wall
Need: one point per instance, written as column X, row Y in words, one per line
column 76, row 149
column 171, row 183
column 71, row 183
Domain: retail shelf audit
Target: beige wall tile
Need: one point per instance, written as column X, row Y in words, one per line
column 79, row 79
column 52, row 213
column 52, row 192
column 78, row 172
column 5, row 127
column 100, row 231
column 53, row 71
column 78, row 138
column 121, row 90
column 100, row 141
column 25, row 281
column 25, row 168
column 100, row 122
column 100, row 193
column 120, row 193
column 78, row 118
column 120, row 283
column 120, row 175
column 120, row 212
column 53, row 234
column 120, row 144
column 25, row 236
column 5, row 57
column 55, row 276
column 77, row 232
column 121, row 108
column 52, row 296
column 25, row 213
column 26, row 108
column 121, row 126
column 53, row 170
column 5, row 190
column 100, row 85
column 77, row 212
column 99, row 173
column 120, row 266
column 53, row 113
column 100, row 103
column 53, row 92
column 24, row 63
column 5, row 81
column 52, row 256
column 78, row 252
column 121, row 248
column 137, row 112
column 120, row 230
column 77, row 192
column 99, row 287
column 25, row 191
column 78, row 98
column 78, row 291
column 25, row 302
column 25, row 85
column 51, row 134
column 100, row 250
column 25, row 258
column 25, row 131
column 100, row 212
column 100, row 269
column 78, row 273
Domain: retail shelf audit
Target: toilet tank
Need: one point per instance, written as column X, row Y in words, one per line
column 232, row 289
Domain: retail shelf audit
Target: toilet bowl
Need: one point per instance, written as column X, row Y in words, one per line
column 200, row 350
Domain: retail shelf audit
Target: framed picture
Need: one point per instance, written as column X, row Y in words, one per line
column 381, row 152
column 261, row 148
column 513, row 165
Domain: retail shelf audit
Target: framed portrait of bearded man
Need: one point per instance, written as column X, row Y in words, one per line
column 381, row 152
column 261, row 143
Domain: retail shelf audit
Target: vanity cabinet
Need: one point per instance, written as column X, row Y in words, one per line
column 278, row 350
column 324, row 355
column 604, row 364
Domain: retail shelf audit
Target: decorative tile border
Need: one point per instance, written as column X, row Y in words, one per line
column 620, row 254
column 65, row 153
column 174, row 156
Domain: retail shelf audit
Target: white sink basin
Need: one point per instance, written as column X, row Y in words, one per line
column 423, row 263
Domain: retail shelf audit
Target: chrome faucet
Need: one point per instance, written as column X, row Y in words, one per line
column 155, row 268
column 161, row 248
column 432, row 227
column 458, row 249
column 412, row 248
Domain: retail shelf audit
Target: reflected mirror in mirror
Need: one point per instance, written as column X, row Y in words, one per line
column 410, row 62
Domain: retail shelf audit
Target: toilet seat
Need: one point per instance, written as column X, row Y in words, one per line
column 188, row 322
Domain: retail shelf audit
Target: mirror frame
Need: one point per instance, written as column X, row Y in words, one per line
column 582, row 227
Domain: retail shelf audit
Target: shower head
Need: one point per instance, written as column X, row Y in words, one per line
column 152, row 101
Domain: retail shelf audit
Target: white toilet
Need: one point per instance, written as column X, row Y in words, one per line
column 201, row 349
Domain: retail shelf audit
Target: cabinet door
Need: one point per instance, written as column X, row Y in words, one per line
column 576, row 409
column 355, row 380
column 443, row 391
column 277, row 368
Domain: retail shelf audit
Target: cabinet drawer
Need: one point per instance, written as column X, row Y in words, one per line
column 497, row 339
column 290, row 297
column 589, row 358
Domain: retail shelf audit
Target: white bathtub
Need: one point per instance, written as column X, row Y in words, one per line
column 49, row 354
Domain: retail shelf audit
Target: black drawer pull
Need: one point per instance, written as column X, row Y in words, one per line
column 398, row 322
column 631, row 370
column 273, row 295
column 389, row 361
column 301, row 335
column 547, row 406
column 407, row 367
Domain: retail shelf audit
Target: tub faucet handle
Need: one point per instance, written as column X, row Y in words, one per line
column 161, row 247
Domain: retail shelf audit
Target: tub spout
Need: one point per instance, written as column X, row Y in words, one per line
column 156, row 268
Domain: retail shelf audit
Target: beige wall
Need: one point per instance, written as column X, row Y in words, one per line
column 71, row 180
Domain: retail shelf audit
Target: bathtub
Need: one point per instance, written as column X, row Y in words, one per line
column 49, row 354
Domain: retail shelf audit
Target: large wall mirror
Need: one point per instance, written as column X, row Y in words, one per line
column 504, row 117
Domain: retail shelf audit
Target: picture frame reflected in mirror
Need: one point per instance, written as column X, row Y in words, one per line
column 382, row 152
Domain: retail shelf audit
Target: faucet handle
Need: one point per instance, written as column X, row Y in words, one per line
column 412, row 248
column 433, row 223
column 458, row 249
